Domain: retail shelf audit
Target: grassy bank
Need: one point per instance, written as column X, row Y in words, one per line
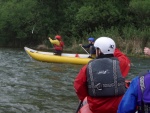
column 132, row 47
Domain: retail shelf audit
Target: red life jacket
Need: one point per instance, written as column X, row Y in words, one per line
column 60, row 46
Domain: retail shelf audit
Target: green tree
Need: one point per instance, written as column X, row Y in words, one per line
column 16, row 21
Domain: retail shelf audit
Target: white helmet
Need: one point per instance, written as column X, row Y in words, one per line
column 105, row 44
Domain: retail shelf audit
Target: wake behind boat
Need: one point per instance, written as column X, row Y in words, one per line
column 51, row 58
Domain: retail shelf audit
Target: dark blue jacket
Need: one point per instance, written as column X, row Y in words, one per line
column 92, row 51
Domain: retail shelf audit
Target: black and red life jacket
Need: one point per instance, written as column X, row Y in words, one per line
column 60, row 46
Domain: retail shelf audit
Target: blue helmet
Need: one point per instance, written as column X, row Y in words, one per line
column 91, row 39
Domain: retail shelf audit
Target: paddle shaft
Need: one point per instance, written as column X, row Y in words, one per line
column 85, row 50
column 79, row 106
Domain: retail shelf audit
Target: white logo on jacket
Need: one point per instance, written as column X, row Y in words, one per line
column 103, row 72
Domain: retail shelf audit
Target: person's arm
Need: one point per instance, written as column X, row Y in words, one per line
column 128, row 103
column 86, row 46
column 80, row 84
column 124, row 62
column 54, row 41
column 147, row 51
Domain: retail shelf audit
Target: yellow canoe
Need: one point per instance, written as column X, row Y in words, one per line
column 64, row 58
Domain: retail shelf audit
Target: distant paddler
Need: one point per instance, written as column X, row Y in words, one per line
column 90, row 46
column 58, row 44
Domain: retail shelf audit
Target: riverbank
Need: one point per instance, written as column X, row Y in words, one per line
column 132, row 47
column 78, row 49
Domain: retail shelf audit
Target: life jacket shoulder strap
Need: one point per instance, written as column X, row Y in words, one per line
column 144, row 108
column 141, row 77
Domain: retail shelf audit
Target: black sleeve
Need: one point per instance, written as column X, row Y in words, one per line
column 86, row 46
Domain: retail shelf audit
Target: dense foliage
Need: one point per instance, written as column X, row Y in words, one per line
column 31, row 22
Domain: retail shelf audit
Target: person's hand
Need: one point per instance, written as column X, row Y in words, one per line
column 147, row 51
column 80, row 44
column 49, row 37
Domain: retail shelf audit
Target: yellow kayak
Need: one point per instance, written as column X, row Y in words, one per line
column 64, row 58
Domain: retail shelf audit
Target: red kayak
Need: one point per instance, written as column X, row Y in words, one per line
column 85, row 106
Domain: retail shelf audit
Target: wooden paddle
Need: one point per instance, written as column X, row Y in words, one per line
column 85, row 50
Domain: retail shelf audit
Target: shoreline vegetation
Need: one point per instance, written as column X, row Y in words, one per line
column 30, row 23
column 132, row 48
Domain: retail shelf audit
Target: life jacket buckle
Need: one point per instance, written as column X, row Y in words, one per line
column 99, row 86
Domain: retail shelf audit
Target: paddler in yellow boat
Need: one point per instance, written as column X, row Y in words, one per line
column 58, row 45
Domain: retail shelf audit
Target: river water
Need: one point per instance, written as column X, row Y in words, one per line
column 28, row 86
